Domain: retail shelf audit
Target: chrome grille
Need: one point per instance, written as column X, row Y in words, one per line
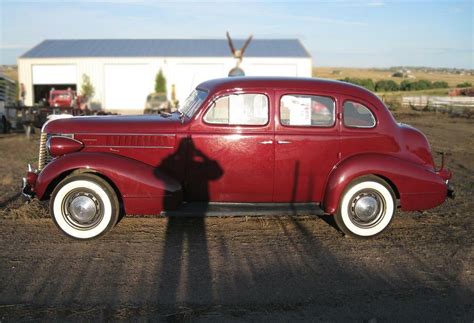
column 44, row 156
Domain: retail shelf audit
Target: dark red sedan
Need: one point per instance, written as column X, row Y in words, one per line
column 240, row 146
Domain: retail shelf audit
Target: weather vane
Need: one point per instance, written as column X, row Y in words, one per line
column 238, row 55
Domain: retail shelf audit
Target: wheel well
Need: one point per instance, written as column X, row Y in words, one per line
column 392, row 185
column 62, row 176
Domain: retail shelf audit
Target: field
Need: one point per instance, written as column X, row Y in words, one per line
column 386, row 74
column 252, row 269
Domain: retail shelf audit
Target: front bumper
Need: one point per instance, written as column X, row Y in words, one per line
column 28, row 183
column 451, row 192
column 26, row 191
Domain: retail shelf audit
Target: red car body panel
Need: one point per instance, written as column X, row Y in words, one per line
column 143, row 188
column 419, row 187
column 155, row 162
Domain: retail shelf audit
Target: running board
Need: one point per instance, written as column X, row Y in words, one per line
column 198, row 209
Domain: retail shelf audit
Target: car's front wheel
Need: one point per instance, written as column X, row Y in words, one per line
column 366, row 208
column 84, row 206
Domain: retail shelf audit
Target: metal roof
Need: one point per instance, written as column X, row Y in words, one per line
column 164, row 48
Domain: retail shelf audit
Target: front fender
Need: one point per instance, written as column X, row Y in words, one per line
column 419, row 187
column 142, row 187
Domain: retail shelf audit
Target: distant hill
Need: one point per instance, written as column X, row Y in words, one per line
column 452, row 76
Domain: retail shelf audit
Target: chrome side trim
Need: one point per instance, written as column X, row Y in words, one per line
column 124, row 134
column 141, row 147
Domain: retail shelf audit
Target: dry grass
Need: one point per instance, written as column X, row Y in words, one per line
column 19, row 210
column 385, row 74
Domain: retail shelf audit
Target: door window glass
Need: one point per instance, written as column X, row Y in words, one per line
column 239, row 109
column 307, row 110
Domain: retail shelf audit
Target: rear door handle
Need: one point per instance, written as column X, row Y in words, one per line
column 266, row 142
column 281, row 142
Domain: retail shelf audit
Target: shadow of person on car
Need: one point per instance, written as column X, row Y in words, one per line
column 185, row 241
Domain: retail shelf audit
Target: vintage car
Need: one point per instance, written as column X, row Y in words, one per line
column 240, row 146
column 157, row 103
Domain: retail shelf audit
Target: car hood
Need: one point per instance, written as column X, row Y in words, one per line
column 113, row 124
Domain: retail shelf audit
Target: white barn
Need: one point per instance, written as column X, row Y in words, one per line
column 123, row 71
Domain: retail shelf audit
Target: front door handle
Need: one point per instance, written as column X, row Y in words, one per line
column 284, row 142
column 266, row 142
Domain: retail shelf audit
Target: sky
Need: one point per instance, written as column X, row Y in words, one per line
column 359, row 33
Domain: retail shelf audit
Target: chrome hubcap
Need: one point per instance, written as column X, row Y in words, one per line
column 83, row 208
column 367, row 209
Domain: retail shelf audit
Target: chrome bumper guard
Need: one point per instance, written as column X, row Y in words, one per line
column 451, row 192
column 26, row 190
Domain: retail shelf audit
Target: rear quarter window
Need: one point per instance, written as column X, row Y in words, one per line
column 357, row 115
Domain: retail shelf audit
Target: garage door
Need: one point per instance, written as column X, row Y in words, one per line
column 271, row 70
column 54, row 74
column 188, row 76
column 126, row 87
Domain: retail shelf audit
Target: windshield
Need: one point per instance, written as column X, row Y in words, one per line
column 158, row 98
column 60, row 96
column 193, row 102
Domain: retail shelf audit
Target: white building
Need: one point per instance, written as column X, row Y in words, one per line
column 123, row 71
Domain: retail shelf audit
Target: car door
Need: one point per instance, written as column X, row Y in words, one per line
column 306, row 145
column 360, row 124
column 234, row 133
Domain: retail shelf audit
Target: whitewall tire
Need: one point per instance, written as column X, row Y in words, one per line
column 84, row 206
column 366, row 207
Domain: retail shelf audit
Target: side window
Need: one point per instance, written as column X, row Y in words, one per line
column 357, row 115
column 307, row 110
column 239, row 109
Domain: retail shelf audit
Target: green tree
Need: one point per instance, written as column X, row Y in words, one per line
column 386, row 86
column 464, row 84
column 405, row 85
column 160, row 82
column 87, row 89
column 440, row 85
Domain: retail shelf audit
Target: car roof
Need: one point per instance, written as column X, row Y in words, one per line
column 287, row 83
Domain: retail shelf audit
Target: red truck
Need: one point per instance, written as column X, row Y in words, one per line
column 241, row 146
column 67, row 102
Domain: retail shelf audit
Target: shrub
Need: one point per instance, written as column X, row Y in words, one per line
column 464, row 84
column 386, row 86
column 440, row 85
column 397, row 74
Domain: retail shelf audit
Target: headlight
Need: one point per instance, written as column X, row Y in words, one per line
column 58, row 145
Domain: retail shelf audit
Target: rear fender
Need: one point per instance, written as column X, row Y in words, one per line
column 143, row 188
column 419, row 187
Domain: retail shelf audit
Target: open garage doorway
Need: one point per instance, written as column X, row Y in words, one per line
column 41, row 91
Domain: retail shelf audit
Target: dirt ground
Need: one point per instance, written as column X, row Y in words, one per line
column 234, row 269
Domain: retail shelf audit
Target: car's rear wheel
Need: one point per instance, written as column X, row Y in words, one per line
column 366, row 208
column 84, row 206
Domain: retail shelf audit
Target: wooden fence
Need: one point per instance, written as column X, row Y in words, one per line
column 439, row 101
